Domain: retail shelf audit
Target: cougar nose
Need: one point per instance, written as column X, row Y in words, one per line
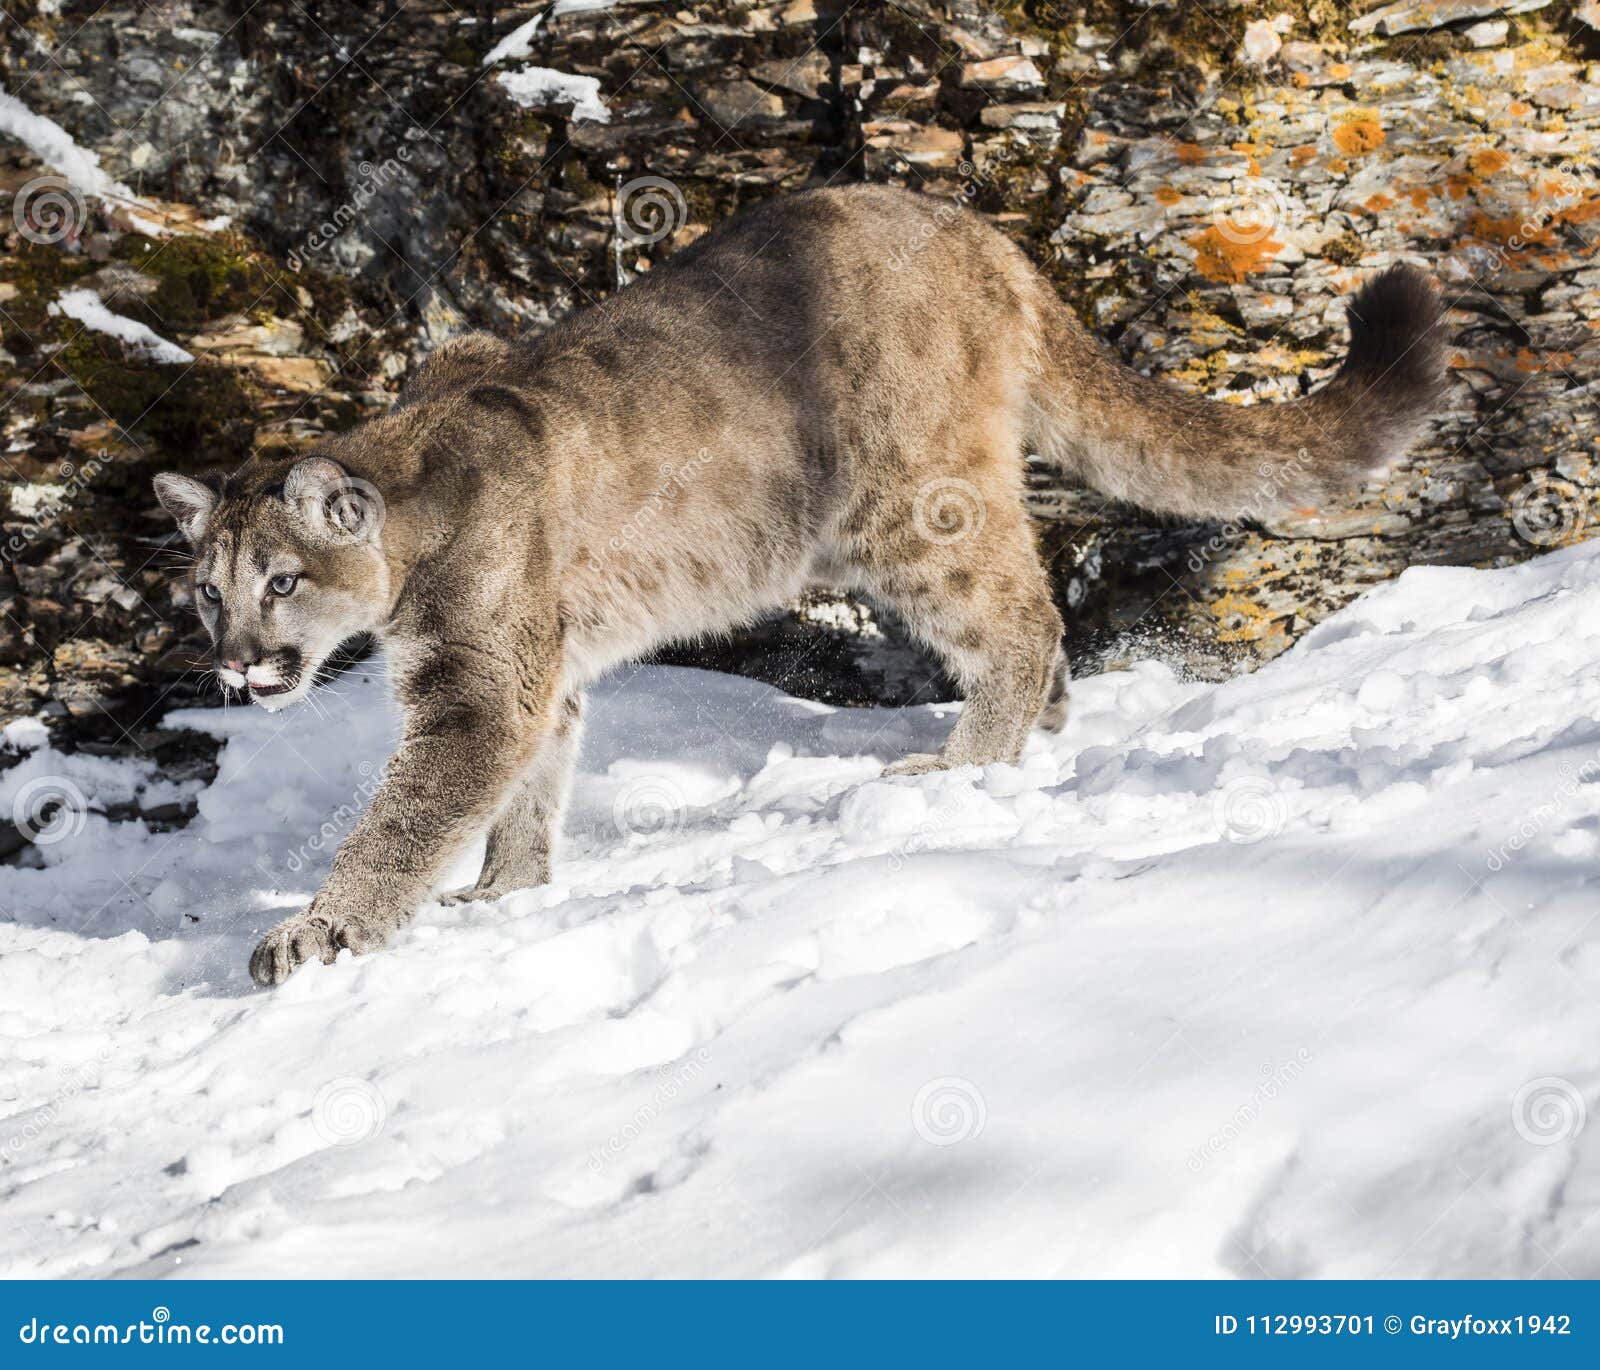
column 235, row 665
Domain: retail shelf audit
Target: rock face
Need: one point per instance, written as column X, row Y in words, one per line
column 306, row 198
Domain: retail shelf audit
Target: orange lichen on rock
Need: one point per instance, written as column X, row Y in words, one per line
column 1221, row 258
column 1341, row 71
column 1585, row 213
column 1166, row 195
column 1192, row 154
column 1301, row 155
column 1252, row 151
column 1359, row 134
column 1489, row 160
column 1528, row 360
column 1376, row 204
column 1512, row 232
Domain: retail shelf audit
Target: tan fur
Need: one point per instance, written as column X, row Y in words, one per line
column 839, row 387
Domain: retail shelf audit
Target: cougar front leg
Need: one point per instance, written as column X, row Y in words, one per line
column 522, row 838
column 467, row 741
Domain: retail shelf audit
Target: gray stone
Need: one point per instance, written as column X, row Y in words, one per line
column 1411, row 16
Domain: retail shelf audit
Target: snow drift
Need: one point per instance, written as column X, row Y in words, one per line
column 1298, row 975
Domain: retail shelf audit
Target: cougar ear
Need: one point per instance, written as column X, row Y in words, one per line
column 189, row 501
column 312, row 479
column 332, row 502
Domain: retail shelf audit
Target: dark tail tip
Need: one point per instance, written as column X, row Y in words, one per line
column 1396, row 344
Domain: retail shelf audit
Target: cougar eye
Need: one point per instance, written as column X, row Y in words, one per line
column 211, row 592
column 283, row 585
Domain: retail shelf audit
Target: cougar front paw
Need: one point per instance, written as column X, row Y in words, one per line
column 918, row 763
column 303, row 937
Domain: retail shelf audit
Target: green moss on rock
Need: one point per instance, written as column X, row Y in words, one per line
column 203, row 277
column 181, row 407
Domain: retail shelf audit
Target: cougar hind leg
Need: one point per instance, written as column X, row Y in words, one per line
column 1053, row 718
column 967, row 579
column 523, row 836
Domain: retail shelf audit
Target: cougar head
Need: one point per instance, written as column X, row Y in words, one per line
column 282, row 574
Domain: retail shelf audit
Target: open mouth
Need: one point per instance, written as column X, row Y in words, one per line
column 267, row 691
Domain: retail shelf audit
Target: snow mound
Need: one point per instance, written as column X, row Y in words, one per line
column 1297, row 975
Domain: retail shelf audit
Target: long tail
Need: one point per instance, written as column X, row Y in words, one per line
column 1172, row 452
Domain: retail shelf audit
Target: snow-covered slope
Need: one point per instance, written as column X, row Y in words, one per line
column 1295, row 975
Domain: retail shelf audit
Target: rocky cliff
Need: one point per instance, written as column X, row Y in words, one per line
column 238, row 224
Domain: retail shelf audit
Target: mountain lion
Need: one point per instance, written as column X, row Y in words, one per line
column 838, row 386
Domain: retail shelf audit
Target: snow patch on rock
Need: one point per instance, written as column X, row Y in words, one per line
column 536, row 87
column 141, row 340
column 57, row 148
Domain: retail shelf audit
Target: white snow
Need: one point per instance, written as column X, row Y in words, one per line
column 578, row 7
column 36, row 499
column 535, row 87
column 519, row 42
column 142, row 340
column 1294, row 975
column 54, row 146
